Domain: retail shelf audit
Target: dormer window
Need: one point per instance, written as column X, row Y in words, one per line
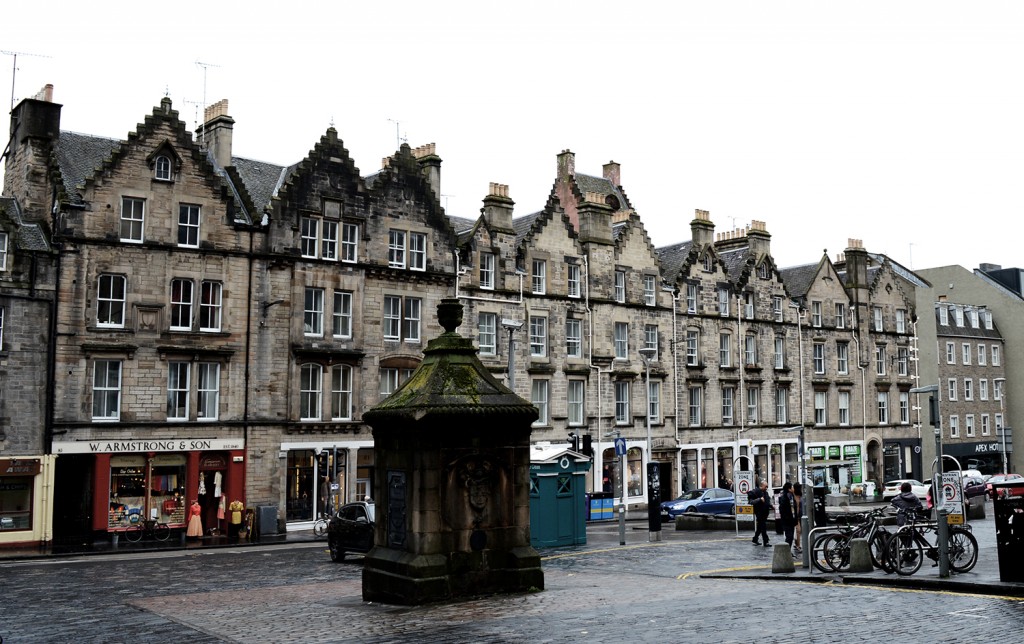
column 162, row 168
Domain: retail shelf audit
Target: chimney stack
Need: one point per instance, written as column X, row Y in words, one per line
column 595, row 219
column 758, row 239
column 430, row 163
column 611, row 173
column 216, row 132
column 497, row 210
column 702, row 230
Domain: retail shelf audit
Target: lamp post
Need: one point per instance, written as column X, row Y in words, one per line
column 1000, row 384
column 511, row 326
column 941, row 511
column 653, row 486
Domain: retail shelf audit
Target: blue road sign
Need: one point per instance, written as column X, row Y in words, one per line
column 620, row 446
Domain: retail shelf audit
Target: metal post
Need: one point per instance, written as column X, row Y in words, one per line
column 943, row 525
column 647, row 354
column 622, row 499
column 1000, row 383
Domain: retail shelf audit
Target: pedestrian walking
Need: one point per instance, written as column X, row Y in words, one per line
column 798, row 496
column 787, row 512
column 761, row 501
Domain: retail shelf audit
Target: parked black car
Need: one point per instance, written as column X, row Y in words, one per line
column 351, row 530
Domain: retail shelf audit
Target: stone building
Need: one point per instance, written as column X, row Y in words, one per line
column 978, row 330
column 210, row 327
column 27, row 277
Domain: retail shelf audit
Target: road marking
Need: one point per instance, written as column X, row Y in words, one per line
column 687, row 575
column 970, row 612
column 655, row 544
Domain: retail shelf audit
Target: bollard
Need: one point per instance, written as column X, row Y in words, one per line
column 976, row 509
column 860, row 556
column 782, row 558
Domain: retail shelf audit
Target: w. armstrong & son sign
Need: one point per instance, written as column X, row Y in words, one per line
column 150, row 445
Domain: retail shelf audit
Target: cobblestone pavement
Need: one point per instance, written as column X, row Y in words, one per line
column 601, row 592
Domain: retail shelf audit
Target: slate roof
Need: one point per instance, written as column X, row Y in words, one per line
column 798, row 279
column 26, row 236
column 261, row 179
column 523, row 225
column 965, row 330
column 79, row 156
column 672, row 259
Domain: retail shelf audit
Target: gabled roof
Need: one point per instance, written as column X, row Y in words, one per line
column 523, row 225
column 965, row 330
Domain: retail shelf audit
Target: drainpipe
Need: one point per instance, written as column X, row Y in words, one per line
column 596, row 368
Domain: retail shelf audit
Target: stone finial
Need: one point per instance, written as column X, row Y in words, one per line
column 449, row 314
column 497, row 190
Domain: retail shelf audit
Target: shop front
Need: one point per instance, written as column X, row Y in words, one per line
column 135, row 480
column 321, row 476
column 984, row 456
column 901, row 459
column 25, row 483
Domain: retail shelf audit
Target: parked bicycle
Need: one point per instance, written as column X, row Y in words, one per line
column 148, row 528
column 912, row 542
column 835, row 551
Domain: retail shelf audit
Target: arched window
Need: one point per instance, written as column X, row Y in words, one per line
column 163, row 168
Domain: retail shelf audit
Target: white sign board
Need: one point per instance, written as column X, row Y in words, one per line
column 742, row 486
column 952, row 497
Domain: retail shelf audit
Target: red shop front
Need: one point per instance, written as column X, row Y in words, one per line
column 132, row 485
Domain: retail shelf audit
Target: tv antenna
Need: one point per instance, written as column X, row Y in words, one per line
column 398, row 137
column 14, row 67
column 205, row 67
column 446, row 201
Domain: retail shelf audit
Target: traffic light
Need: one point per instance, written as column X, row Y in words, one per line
column 588, row 446
column 574, row 441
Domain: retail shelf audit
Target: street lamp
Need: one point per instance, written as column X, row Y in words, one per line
column 653, row 509
column 511, row 326
column 1000, row 385
column 941, row 511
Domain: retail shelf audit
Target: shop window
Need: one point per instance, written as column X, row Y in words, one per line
column 131, row 476
column 300, row 483
column 635, row 466
column 16, row 502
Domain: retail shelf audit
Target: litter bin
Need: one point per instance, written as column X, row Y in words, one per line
column 266, row 520
column 601, row 506
column 820, row 496
column 1009, row 515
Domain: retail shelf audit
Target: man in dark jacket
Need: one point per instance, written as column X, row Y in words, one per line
column 787, row 512
column 906, row 502
column 761, row 500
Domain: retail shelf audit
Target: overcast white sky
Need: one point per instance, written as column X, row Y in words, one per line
column 898, row 123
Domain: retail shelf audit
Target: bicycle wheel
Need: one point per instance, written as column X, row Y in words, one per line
column 905, row 553
column 161, row 531
column 320, row 528
column 819, row 548
column 963, row 550
column 134, row 533
column 877, row 546
column 837, row 552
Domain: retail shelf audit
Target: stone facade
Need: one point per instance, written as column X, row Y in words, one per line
column 196, row 314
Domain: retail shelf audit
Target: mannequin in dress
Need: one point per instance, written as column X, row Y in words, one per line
column 195, row 524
